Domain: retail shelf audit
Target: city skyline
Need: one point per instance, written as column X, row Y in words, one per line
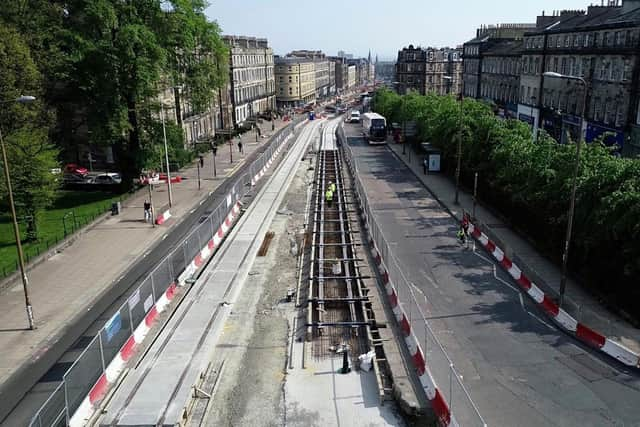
column 357, row 29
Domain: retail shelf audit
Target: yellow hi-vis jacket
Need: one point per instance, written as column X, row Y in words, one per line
column 332, row 187
column 328, row 195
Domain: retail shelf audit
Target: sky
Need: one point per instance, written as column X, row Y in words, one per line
column 382, row 26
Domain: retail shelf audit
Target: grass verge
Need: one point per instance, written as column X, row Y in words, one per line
column 71, row 211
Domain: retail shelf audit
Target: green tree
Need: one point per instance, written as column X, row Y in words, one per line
column 31, row 158
column 30, row 155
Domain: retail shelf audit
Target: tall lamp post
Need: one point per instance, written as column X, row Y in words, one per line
column 576, row 169
column 459, row 148
column 166, row 155
column 16, row 229
column 533, row 119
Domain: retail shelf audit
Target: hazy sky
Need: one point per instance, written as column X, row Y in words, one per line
column 384, row 26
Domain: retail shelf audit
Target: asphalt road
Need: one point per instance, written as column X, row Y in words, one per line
column 519, row 369
column 79, row 334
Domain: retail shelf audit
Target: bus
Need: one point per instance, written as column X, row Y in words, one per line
column 374, row 128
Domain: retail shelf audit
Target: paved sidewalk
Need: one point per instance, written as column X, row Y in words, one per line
column 69, row 281
column 590, row 312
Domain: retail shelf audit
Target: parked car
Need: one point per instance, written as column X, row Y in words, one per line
column 72, row 168
column 74, row 178
column 109, row 178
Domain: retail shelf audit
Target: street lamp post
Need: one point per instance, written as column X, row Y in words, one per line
column 166, row 155
column 16, row 229
column 574, row 187
column 459, row 147
column 533, row 119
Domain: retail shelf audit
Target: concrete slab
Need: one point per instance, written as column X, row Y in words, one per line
column 321, row 396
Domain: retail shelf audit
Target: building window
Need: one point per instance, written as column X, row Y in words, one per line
column 555, row 64
column 550, row 41
column 576, row 40
column 558, row 41
column 626, row 74
column 567, row 40
column 587, row 40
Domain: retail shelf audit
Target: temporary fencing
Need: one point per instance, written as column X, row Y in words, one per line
column 102, row 361
column 442, row 384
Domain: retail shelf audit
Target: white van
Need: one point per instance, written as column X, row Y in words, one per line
column 354, row 117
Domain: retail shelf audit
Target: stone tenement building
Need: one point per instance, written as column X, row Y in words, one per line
column 341, row 73
column 429, row 70
column 602, row 46
column 487, row 38
column 351, row 76
column 251, row 76
column 322, row 80
column 500, row 76
column 295, row 82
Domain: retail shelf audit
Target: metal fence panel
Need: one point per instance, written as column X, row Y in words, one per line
column 161, row 278
column 140, row 302
column 461, row 405
column 178, row 261
column 116, row 332
column 53, row 411
column 82, row 375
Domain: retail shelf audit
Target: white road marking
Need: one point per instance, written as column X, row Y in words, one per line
column 202, row 201
column 164, row 237
column 516, row 290
column 192, row 210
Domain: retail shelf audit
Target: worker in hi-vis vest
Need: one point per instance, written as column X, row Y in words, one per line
column 329, row 196
column 332, row 186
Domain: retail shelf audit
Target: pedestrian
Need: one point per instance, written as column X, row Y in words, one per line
column 147, row 211
column 201, row 161
column 332, row 186
column 240, row 147
column 329, row 197
column 273, row 124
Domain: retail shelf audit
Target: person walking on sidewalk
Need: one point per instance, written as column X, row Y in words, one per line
column 147, row 211
column 240, row 147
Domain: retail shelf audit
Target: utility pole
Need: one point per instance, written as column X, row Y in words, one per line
column 459, row 164
column 574, row 186
column 475, row 193
column 214, row 151
column 153, row 211
column 16, row 232
column 16, row 229
column 198, row 164
column 166, row 155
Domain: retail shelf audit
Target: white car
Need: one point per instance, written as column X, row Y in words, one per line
column 354, row 117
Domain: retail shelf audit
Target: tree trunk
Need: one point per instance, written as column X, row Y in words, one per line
column 130, row 160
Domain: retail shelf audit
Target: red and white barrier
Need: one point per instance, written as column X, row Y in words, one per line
column 115, row 368
column 163, row 217
column 559, row 316
column 117, row 365
column 213, row 243
column 435, row 397
column 265, row 168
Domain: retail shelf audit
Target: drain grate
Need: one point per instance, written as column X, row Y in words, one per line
column 264, row 248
